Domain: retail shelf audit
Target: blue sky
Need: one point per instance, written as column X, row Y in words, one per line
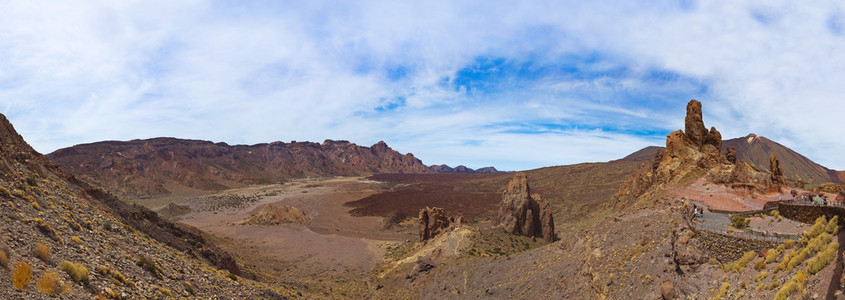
column 514, row 85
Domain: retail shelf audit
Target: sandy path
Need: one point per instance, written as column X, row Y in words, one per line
column 332, row 242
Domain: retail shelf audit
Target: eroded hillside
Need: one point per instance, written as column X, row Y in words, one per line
column 61, row 237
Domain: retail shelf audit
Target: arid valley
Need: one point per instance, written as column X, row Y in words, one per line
column 422, row 150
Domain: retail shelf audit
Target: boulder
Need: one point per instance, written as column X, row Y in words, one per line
column 667, row 290
column 777, row 172
column 520, row 214
column 841, row 197
column 434, row 221
column 730, row 154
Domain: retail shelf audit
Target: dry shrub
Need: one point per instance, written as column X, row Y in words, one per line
column 737, row 265
column 833, row 225
column 42, row 251
column 771, row 256
column 5, row 192
column 794, row 285
column 76, row 240
column 21, row 275
column 821, row 260
column 77, row 272
column 761, row 276
column 51, row 284
column 760, row 265
column 4, row 258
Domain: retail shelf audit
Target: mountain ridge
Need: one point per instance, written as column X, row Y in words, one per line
column 163, row 166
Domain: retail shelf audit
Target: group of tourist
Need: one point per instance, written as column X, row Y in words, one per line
column 817, row 200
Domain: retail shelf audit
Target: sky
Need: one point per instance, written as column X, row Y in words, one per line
column 512, row 84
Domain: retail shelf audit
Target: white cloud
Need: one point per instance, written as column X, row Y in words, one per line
column 250, row 73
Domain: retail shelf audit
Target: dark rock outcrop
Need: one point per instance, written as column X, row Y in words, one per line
column 434, row 221
column 730, row 154
column 522, row 214
column 777, row 172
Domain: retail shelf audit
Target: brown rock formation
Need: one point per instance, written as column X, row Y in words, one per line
column 694, row 128
column 520, row 214
column 840, row 197
column 434, row 221
column 730, row 154
column 777, row 172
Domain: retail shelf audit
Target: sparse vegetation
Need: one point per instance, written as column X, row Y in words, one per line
column 822, row 259
column 77, row 272
column 51, row 284
column 150, row 266
column 794, row 285
column 21, row 275
column 76, row 240
column 42, row 251
column 736, row 266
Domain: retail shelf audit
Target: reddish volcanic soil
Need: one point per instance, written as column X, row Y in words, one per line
column 416, row 191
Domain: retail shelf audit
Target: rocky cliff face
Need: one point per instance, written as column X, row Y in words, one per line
column 161, row 166
column 524, row 214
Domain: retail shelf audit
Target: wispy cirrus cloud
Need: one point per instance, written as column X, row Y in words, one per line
column 515, row 85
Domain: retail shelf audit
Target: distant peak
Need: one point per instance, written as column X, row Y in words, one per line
column 750, row 137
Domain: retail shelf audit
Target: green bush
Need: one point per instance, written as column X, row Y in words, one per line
column 739, row 222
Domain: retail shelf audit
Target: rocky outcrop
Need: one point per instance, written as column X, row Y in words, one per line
column 776, row 171
column 840, row 197
column 434, row 221
column 694, row 128
column 694, row 148
column 730, row 154
column 522, row 214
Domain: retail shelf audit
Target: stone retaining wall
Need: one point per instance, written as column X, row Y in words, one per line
column 727, row 248
column 809, row 213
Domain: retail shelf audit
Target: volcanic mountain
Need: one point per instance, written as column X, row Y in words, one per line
column 755, row 150
column 61, row 236
column 162, row 166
